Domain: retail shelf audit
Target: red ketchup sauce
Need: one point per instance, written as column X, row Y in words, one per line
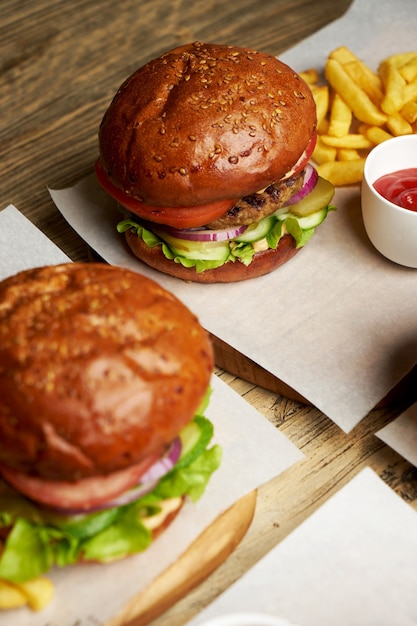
column 399, row 187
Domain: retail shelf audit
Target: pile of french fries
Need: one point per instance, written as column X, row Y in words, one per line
column 358, row 108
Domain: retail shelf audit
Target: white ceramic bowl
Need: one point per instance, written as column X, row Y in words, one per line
column 391, row 229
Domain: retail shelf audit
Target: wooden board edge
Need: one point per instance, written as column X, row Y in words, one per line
column 205, row 554
column 236, row 363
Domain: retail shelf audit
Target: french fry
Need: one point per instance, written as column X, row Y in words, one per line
column 362, row 106
column 35, row 593
column 398, row 125
column 409, row 111
column 355, row 141
column 342, row 173
column 10, row 596
column 347, row 154
column 369, row 82
column 311, row 76
column 377, row 135
column 321, row 98
column 410, row 91
column 394, row 85
column 343, row 55
column 323, row 153
column 38, row 592
column 340, row 117
column 409, row 70
column 400, row 59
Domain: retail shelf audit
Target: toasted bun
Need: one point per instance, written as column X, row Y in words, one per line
column 99, row 368
column 205, row 122
column 262, row 263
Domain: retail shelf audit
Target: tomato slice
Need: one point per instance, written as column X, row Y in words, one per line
column 82, row 494
column 304, row 158
column 178, row 217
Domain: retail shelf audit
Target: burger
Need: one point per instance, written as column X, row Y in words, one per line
column 104, row 377
column 207, row 151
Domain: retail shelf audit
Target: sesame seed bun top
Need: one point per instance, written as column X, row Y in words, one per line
column 99, row 368
column 205, row 122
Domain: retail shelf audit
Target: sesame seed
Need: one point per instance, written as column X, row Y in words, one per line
column 233, row 160
column 182, row 171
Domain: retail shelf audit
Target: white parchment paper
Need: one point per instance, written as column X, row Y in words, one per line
column 338, row 323
column 352, row 562
column 92, row 594
column 401, row 434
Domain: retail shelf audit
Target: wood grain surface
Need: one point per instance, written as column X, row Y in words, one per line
column 61, row 63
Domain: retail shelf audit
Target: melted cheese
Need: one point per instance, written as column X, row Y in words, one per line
column 167, row 507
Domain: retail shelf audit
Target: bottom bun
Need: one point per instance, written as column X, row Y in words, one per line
column 263, row 262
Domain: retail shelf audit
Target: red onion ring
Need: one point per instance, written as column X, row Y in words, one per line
column 205, row 234
column 310, row 180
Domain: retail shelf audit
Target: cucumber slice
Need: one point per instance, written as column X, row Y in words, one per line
column 257, row 231
column 312, row 220
column 189, row 436
column 195, row 438
column 319, row 198
column 198, row 250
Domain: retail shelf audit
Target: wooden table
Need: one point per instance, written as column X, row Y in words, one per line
column 61, row 63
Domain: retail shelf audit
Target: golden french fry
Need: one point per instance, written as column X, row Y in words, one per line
column 353, row 140
column 323, row 127
column 409, row 111
column 311, row 76
column 321, row 98
column 347, row 154
column 343, row 55
column 398, row 125
column 410, row 91
column 342, row 173
column 38, row 592
column 10, row 596
column 340, row 117
column 394, row 85
column 323, row 153
column 376, row 134
column 362, row 106
column 409, row 70
column 400, row 59
column 366, row 79
column 360, row 73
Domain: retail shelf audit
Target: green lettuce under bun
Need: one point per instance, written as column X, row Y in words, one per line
column 39, row 538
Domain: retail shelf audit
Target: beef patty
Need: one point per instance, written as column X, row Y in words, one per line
column 260, row 204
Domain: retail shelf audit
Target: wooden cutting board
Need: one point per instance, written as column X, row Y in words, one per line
column 203, row 556
column 220, row 539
